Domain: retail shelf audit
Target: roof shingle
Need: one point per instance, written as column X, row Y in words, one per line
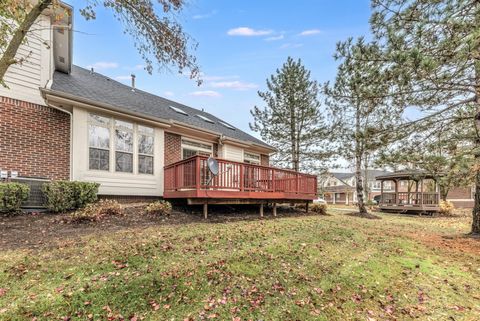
column 99, row 88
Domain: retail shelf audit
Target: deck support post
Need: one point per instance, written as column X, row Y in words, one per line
column 275, row 209
column 306, row 207
column 205, row 210
column 261, row 210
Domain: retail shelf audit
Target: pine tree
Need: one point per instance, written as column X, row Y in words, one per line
column 359, row 104
column 292, row 121
column 433, row 50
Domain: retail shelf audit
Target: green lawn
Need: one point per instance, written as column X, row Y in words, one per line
column 298, row 268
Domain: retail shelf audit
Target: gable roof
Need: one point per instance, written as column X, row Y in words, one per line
column 343, row 176
column 84, row 84
column 371, row 175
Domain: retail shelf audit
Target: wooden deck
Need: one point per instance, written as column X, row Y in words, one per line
column 236, row 183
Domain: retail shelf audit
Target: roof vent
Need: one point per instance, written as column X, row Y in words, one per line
column 208, row 120
column 178, row 110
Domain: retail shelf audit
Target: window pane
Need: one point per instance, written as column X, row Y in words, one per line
column 99, row 159
column 99, row 120
column 123, row 162
column 123, row 124
column 146, row 130
column 187, row 153
column 145, row 144
column 145, row 164
column 124, row 140
column 99, row 136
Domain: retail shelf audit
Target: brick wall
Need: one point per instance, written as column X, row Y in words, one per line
column 173, row 148
column 34, row 139
column 265, row 160
column 460, row 193
column 215, row 150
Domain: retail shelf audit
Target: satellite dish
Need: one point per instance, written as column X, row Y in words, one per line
column 212, row 165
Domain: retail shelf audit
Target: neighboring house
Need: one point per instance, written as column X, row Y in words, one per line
column 59, row 121
column 339, row 188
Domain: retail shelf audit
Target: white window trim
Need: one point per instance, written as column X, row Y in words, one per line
column 129, row 130
column 108, row 126
column 143, row 154
column 251, row 160
column 196, row 148
column 112, row 144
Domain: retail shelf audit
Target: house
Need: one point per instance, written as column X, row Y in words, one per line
column 59, row 121
column 339, row 188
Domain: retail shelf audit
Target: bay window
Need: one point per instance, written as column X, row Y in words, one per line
column 133, row 145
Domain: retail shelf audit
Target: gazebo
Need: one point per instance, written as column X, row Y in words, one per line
column 421, row 193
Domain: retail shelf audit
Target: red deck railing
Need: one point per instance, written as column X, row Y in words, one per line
column 236, row 180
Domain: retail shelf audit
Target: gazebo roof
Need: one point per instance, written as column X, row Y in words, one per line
column 412, row 174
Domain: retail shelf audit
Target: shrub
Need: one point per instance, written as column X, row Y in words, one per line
column 370, row 203
column 319, row 208
column 12, row 195
column 160, row 208
column 67, row 195
column 85, row 193
column 97, row 211
column 446, row 208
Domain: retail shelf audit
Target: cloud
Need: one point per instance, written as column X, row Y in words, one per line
column 291, row 45
column 205, row 16
column 236, row 85
column 121, row 78
column 169, row 94
column 218, row 78
column 274, row 38
column 103, row 65
column 205, row 93
column 248, row 32
column 310, row 32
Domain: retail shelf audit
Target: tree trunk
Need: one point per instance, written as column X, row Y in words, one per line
column 358, row 166
column 443, row 193
column 365, row 178
column 359, row 185
column 293, row 138
column 10, row 52
column 476, row 207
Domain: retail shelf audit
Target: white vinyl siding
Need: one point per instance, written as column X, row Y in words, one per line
column 113, row 182
column 25, row 79
column 232, row 153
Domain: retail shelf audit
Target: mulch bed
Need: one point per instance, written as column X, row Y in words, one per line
column 39, row 230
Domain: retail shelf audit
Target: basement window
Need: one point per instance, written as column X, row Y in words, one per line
column 208, row 120
column 178, row 110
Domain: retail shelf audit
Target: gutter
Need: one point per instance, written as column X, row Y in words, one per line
column 71, row 99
